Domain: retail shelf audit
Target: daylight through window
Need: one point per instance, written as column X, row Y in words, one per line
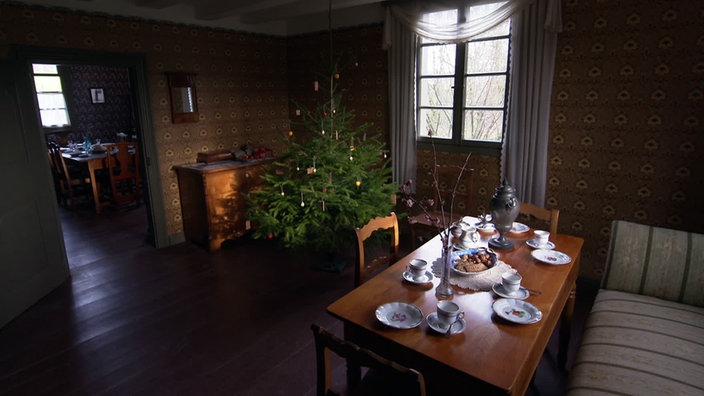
column 50, row 97
column 462, row 88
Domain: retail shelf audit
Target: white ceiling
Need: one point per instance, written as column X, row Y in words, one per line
column 277, row 17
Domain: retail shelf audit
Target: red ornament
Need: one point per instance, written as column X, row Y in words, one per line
column 271, row 236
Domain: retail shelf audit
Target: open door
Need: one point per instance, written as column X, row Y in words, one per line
column 32, row 255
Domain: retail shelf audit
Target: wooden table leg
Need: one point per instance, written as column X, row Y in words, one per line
column 566, row 328
column 94, row 185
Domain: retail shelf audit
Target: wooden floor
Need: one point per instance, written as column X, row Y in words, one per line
column 134, row 320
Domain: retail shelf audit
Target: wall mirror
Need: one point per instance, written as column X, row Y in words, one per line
column 184, row 101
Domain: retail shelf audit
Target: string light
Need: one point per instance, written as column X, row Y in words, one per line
column 358, row 183
column 282, row 190
column 302, row 203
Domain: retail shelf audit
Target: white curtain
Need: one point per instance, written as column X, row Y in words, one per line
column 525, row 151
column 532, row 70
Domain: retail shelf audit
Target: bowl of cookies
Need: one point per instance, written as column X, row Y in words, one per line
column 472, row 261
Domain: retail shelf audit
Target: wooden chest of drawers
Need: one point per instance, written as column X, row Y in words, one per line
column 213, row 203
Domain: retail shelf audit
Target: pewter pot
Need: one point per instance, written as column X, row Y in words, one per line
column 504, row 210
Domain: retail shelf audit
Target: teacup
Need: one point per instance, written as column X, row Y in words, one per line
column 448, row 313
column 511, row 281
column 417, row 268
column 542, row 237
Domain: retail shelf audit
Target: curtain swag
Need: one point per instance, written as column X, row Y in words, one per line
column 409, row 15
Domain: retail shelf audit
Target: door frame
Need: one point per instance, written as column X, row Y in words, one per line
column 139, row 87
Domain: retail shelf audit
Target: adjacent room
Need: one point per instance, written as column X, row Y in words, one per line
column 197, row 194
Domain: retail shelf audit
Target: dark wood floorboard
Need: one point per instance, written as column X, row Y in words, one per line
column 134, row 320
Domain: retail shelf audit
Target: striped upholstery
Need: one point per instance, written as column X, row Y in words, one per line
column 640, row 345
column 654, row 261
column 645, row 333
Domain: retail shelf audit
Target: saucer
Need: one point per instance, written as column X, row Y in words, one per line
column 399, row 315
column 519, row 228
column 517, row 311
column 535, row 245
column 550, row 256
column 521, row 294
column 434, row 324
column 407, row 275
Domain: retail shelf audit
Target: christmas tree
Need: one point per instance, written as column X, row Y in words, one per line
column 331, row 177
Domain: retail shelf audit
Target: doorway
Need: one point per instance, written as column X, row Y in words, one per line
column 139, row 96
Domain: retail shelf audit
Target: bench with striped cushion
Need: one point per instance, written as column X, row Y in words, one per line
column 645, row 333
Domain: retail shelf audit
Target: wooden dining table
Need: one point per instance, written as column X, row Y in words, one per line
column 93, row 161
column 491, row 355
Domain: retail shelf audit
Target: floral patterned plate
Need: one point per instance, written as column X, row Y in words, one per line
column 550, row 256
column 399, row 315
column 517, row 311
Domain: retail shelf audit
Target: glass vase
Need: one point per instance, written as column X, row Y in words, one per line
column 444, row 290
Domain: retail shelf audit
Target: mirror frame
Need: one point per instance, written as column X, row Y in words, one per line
column 178, row 81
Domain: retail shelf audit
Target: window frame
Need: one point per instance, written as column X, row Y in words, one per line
column 64, row 88
column 456, row 143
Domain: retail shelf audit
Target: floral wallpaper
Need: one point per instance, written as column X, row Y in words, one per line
column 99, row 120
column 241, row 79
column 627, row 122
column 626, row 118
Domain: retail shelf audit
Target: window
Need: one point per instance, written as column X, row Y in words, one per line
column 50, row 97
column 463, row 88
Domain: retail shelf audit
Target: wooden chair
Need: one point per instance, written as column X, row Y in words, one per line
column 122, row 163
column 69, row 182
column 529, row 213
column 384, row 377
column 364, row 269
column 422, row 228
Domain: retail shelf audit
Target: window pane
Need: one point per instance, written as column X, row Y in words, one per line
column 53, row 118
column 51, row 101
column 438, row 60
column 485, row 91
column 476, row 12
column 439, row 121
column 45, row 69
column 436, row 92
column 487, row 56
column 442, row 18
column 484, row 125
column 47, row 83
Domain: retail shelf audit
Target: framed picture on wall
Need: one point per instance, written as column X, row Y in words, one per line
column 97, row 95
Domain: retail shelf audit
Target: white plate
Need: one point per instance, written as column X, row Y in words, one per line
column 519, row 228
column 550, row 256
column 535, row 245
column 435, row 324
column 517, row 311
column 399, row 315
column 407, row 275
column 521, row 294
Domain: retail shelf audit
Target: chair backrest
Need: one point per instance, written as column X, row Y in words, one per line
column 58, row 167
column 365, row 267
column 399, row 379
column 123, row 167
column 530, row 212
column 447, row 180
column 655, row 261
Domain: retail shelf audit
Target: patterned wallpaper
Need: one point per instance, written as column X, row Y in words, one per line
column 241, row 79
column 99, row 120
column 627, row 127
column 626, row 116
